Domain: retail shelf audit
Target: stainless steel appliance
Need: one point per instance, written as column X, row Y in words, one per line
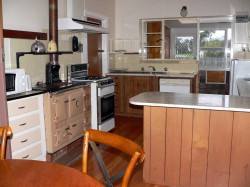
column 239, row 70
column 102, row 96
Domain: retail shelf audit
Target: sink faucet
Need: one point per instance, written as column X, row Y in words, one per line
column 152, row 67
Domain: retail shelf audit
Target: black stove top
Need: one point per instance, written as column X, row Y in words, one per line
column 89, row 79
column 56, row 86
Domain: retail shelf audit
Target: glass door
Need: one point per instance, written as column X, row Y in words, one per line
column 215, row 45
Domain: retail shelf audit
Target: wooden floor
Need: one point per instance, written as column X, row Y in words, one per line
column 130, row 128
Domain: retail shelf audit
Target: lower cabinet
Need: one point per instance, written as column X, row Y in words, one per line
column 67, row 115
column 26, row 119
column 129, row 86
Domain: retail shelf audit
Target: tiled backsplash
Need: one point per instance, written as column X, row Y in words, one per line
column 132, row 62
column 34, row 65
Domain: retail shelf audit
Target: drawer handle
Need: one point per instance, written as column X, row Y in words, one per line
column 21, row 107
column 22, row 124
column 25, row 157
column 66, row 101
column 73, row 99
column 23, row 141
column 74, row 125
column 77, row 103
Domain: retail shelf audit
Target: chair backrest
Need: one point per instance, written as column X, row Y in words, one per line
column 125, row 145
column 4, row 133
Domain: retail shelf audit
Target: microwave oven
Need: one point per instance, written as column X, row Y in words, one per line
column 15, row 80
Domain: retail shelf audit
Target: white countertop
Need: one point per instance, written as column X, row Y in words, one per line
column 196, row 101
column 243, row 87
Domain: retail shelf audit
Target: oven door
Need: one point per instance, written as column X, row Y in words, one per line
column 106, row 107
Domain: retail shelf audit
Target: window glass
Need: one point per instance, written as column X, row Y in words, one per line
column 184, row 47
column 215, row 45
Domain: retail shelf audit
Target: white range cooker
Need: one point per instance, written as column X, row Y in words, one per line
column 102, row 96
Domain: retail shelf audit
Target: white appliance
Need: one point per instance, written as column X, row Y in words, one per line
column 175, row 85
column 238, row 69
column 102, row 96
column 15, row 80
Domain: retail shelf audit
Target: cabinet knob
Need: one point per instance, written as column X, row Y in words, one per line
column 77, row 103
column 56, row 118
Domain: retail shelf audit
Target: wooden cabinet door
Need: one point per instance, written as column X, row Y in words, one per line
column 119, row 94
column 75, row 102
column 60, row 107
column 95, row 52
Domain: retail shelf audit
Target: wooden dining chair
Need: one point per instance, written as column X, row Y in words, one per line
column 4, row 133
column 120, row 143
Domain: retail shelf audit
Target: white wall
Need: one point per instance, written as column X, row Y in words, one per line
column 25, row 15
column 105, row 8
column 129, row 12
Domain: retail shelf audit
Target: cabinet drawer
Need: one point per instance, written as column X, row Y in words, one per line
column 22, row 106
column 25, row 139
column 76, row 128
column 24, row 123
column 29, row 153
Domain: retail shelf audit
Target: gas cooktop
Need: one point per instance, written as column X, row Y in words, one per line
column 89, row 78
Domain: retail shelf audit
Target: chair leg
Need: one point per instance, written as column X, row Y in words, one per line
column 101, row 163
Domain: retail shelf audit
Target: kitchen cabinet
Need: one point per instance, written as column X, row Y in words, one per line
column 129, row 86
column 26, row 118
column 67, row 115
column 155, row 40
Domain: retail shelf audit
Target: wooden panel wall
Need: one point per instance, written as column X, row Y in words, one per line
column 190, row 147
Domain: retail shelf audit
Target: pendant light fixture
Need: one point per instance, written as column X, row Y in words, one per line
column 184, row 11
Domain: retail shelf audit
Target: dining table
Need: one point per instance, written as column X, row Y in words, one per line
column 15, row 172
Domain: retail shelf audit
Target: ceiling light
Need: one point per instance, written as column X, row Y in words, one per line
column 184, row 11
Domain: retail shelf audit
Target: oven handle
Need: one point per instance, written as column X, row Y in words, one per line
column 112, row 84
column 106, row 96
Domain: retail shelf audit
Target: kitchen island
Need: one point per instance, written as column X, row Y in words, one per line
column 195, row 139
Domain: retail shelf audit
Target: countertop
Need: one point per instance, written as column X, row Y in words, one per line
column 157, row 74
column 195, row 101
column 43, row 88
column 24, row 94
column 243, row 87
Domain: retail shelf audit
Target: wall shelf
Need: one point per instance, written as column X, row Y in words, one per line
column 19, row 54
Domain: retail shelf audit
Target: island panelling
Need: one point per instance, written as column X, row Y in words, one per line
column 207, row 144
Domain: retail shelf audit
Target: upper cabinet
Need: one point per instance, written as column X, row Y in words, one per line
column 152, row 39
column 169, row 39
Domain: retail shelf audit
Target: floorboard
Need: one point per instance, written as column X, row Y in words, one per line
column 129, row 127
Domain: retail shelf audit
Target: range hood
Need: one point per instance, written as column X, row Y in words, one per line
column 72, row 24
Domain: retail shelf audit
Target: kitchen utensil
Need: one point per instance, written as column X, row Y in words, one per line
column 75, row 45
column 52, row 47
column 37, row 47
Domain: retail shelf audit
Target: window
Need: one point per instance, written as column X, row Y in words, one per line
column 184, row 47
column 215, row 45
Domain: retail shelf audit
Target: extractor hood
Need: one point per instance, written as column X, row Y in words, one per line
column 72, row 24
